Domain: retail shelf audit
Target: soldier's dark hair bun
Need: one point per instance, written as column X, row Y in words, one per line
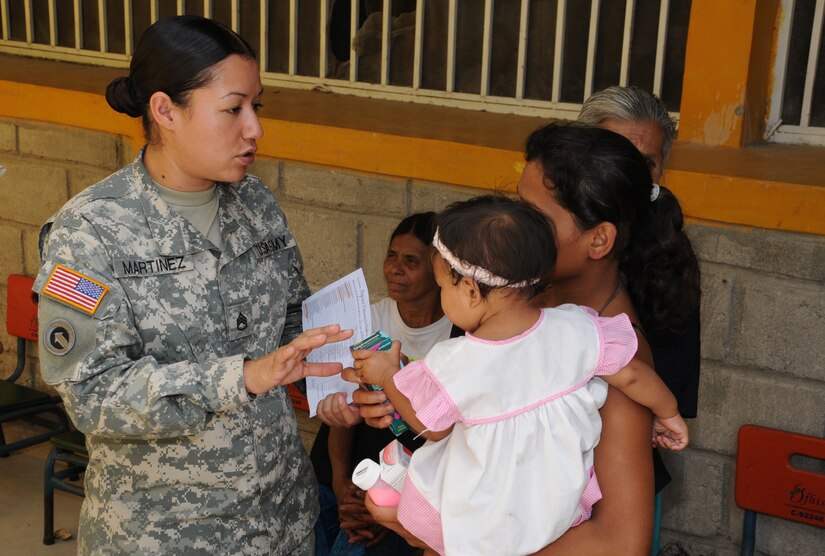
column 119, row 96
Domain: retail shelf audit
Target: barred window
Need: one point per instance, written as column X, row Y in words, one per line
column 536, row 57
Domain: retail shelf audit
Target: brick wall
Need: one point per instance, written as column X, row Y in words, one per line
column 763, row 309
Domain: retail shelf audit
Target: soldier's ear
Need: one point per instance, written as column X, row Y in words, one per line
column 163, row 111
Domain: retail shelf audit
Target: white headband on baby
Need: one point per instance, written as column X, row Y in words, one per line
column 477, row 273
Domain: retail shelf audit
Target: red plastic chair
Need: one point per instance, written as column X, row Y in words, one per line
column 767, row 482
column 22, row 402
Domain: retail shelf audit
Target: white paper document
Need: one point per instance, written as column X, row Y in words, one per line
column 345, row 302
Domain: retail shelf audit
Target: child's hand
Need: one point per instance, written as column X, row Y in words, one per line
column 376, row 367
column 670, row 433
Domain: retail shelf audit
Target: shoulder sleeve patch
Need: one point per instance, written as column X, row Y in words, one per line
column 74, row 289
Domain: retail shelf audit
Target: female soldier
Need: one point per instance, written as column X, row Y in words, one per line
column 166, row 291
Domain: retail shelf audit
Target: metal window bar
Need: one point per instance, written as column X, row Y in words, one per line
column 592, row 39
column 452, row 23
column 486, row 47
column 418, row 44
column 293, row 36
column 4, row 13
column 448, row 96
column 27, row 7
column 558, row 53
column 353, row 29
column 322, row 45
column 521, row 56
column 129, row 31
column 780, row 67
column 385, row 41
column 78, row 25
column 624, row 71
column 102, row 25
column 810, row 73
column 661, row 40
column 263, row 50
column 52, row 24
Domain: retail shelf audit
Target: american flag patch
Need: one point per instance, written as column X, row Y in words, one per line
column 75, row 289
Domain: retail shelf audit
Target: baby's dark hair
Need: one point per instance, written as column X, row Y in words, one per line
column 599, row 176
column 509, row 238
column 420, row 224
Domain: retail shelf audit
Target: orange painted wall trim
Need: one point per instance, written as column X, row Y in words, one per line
column 749, row 202
column 65, row 107
column 382, row 153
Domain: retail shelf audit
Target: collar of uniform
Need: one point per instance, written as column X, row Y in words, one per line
column 241, row 227
column 169, row 229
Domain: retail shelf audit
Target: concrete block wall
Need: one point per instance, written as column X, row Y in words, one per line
column 763, row 308
column 763, row 362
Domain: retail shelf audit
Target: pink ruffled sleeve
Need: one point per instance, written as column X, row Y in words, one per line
column 617, row 343
column 432, row 404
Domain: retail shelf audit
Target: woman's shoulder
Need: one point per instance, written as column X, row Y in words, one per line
column 105, row 198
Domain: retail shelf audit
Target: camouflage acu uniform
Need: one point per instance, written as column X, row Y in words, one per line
column 181, row 460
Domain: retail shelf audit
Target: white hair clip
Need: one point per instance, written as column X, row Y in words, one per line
column 477, row 273
column 654, row 193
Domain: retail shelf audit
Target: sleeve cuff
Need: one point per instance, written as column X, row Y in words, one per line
column 224, row 385
column 432, row 404
column 617, row 343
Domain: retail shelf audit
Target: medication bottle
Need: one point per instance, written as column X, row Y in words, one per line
column 367, row 476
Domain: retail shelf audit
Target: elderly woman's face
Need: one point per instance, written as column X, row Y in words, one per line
column 408, row 269
column 646, row 136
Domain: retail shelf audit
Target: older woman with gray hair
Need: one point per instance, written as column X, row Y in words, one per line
column 638, row 116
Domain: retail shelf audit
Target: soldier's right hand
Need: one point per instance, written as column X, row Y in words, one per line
column 288, row 363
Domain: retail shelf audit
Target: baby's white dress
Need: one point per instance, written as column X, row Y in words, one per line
column 516, row 471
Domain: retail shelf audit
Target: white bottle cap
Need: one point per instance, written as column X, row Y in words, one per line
column 366, row 474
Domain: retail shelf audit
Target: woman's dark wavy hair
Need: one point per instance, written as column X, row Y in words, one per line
column 509, row 238
column 420, row 224
column 174, row 56
column 599, row 176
